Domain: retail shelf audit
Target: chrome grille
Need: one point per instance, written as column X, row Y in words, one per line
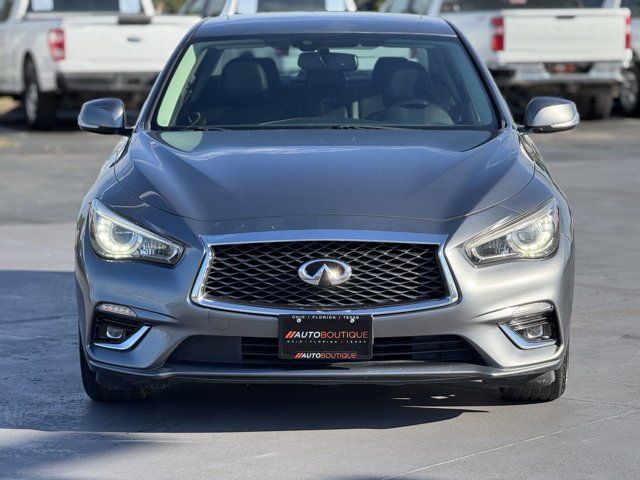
column 266, row 275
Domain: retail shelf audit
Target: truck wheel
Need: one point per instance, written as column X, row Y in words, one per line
column 535, row 393
column 629, row 100
column 40, row 108
column 598, row 107
column 99, row 393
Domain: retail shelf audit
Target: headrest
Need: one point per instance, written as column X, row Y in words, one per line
column 408, row 82
column 384, row 68
column 243, row 80
column 271, row 71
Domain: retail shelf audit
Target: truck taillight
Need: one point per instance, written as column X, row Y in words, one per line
column 627, row 33
column 497, row 41
column 56, row 44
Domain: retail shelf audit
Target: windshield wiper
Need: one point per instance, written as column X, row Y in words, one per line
column 364, row 127
column 196, row 128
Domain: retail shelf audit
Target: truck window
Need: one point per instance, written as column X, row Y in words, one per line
column 195, row 7
column 85, row 6
column 464, row 5
column 215, row 7
column 291, row 5
column 410, row 6
column 633, row 5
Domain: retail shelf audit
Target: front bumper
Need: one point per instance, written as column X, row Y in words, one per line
column 162, row 298
column 383, row 373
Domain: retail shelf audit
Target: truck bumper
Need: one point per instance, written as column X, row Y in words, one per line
column 540, row 75
column 94, row 84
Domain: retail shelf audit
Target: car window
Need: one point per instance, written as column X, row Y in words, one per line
column 324, row 80
column 121, row 6
column 463, row 5
column 291, row 5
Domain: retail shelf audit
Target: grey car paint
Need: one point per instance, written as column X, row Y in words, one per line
column 446, row 184
column 249, row 174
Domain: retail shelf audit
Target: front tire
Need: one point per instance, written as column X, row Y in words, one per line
column 99, row 393
column 40, row 108
column 530, row 392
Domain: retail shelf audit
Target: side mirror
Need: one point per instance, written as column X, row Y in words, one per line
column 550, row 115
column 105, row 116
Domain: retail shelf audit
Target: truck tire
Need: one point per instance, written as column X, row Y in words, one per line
column 535, row 393
column 100, row 393
column 597, row 107
column 629, row 99
column 40, row 108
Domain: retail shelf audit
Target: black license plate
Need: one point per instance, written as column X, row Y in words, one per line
column 325, row 337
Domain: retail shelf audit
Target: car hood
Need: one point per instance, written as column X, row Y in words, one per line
column 226, row 175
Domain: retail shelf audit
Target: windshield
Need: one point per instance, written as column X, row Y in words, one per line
column 121, row 6
column 325, row 80
column 462, row 5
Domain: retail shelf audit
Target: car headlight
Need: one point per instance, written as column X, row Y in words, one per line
column 532, row 236
column 116, row 238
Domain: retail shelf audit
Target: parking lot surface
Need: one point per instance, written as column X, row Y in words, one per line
column 50, row 430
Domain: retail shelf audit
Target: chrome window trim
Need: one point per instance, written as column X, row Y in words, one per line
column 198, row 296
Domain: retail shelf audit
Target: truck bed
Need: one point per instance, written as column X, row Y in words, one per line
column 547, row 35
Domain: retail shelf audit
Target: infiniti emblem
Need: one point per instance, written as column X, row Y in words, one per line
column 325, row 272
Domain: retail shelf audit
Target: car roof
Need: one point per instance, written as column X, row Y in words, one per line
column 322, row 22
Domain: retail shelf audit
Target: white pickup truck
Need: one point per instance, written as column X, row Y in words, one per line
column 542, row 47
column 54, row 51
column 629, row 98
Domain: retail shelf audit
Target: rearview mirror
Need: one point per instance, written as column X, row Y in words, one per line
column 550, row 114
column 331, row 61
column 105, row 116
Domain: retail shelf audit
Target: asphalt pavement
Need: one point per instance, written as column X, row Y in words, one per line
column 50, row 430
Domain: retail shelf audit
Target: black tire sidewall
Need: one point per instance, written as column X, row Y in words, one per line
column 632, row 109
column 46, row 105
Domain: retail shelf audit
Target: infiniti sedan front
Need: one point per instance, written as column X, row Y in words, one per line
column 315, row 201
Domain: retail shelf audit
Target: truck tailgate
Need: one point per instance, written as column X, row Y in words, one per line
column 564, row 35
column 101, row 44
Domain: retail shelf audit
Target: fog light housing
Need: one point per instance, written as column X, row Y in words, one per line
column 533, row 330
column 533, row 326
column 116, row 332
